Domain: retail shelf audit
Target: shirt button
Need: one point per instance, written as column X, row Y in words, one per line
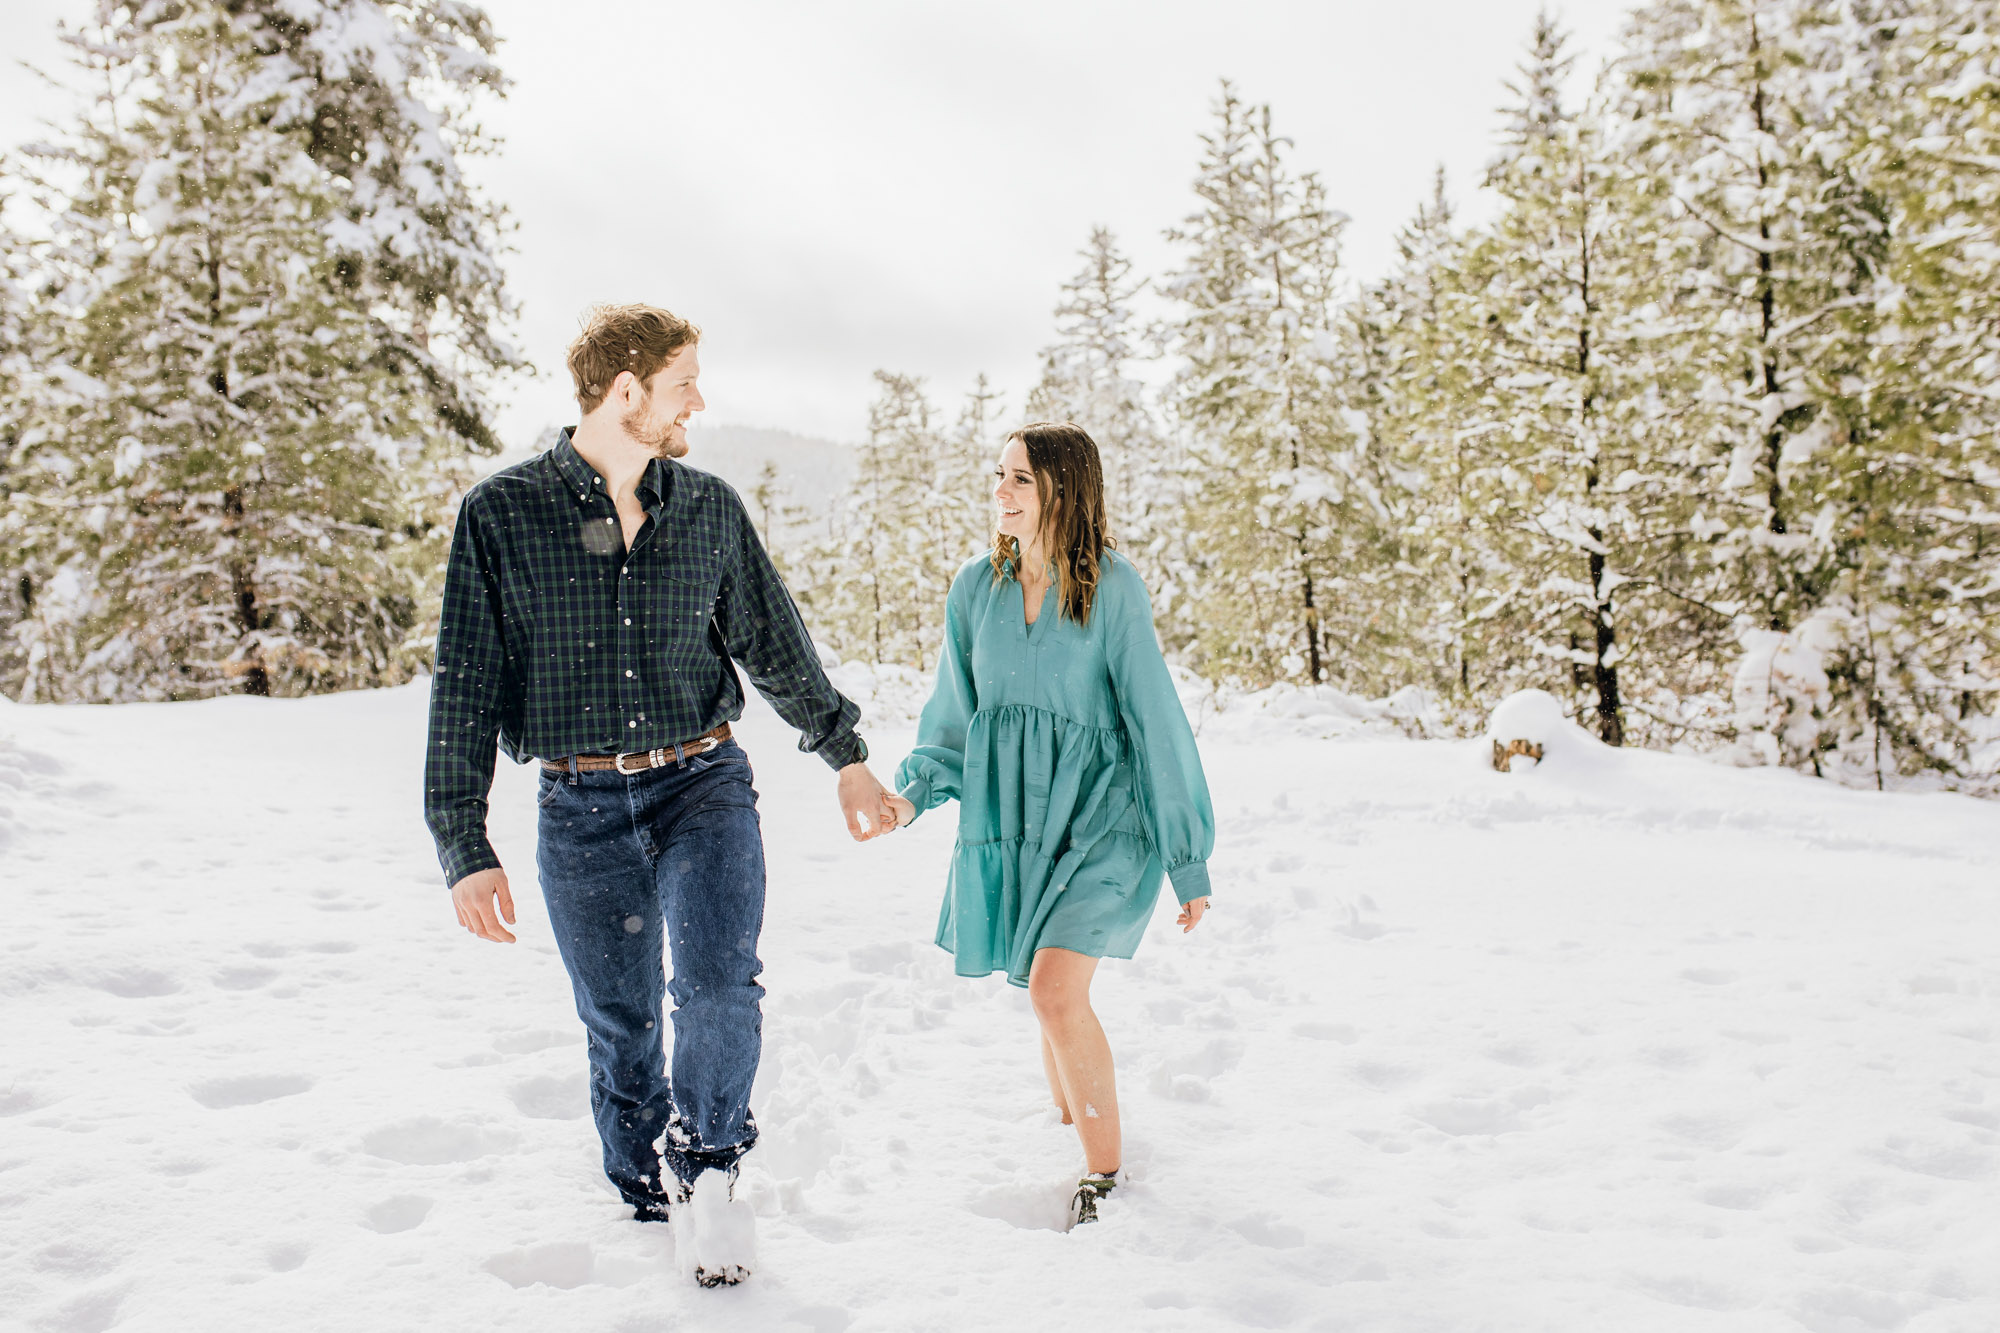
column 628, row 675
column 610, row 520
column 628, row 620
column 632, row 724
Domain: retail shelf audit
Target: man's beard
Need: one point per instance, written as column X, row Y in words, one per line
column 659, row 441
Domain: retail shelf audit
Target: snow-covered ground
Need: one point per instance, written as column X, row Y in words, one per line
column 1626, row 1042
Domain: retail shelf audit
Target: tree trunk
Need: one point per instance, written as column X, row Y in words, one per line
column 256, row 680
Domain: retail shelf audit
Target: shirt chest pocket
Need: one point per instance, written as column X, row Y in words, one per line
column 686, row 583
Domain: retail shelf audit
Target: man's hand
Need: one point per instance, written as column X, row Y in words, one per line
column 863, row 798
column 473, row 897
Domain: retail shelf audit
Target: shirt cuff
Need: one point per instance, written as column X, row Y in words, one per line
column 468, row 859
column 840, row 751
column 1190, row 881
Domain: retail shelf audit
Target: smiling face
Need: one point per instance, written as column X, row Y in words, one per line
column 657, row 419
column 1015, row 495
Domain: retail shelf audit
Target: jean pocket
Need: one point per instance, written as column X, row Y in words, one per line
column 551, row 788
column 727, row 753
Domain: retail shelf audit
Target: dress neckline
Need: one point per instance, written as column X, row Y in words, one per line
column 1028, row 627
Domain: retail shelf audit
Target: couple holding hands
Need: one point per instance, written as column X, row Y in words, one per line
column 596, row 601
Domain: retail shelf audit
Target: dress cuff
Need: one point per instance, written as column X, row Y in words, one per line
column 918, row 793
column 1190, row 881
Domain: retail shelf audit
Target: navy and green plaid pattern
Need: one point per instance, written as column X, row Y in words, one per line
column 554, row 642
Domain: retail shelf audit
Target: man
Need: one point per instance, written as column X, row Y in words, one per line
column 595, row 597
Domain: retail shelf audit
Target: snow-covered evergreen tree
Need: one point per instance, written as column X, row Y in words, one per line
column 1585, row 510
column 1834, row 477
column 1282, row 509
column 916, row 510
column 382, row 94
column 18, row 366
column 1729, row 106
column 1413, row 344
column 1087, row 378
column 1914, row 677
column 236, row 473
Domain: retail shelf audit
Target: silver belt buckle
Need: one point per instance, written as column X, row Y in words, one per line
column 653, row 758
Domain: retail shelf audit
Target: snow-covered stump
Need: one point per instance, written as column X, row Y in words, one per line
column 1530, row 724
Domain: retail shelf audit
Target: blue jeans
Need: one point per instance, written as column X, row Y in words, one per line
column 620, row 857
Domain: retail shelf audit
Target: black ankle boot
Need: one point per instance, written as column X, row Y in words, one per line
column 1089, row 1192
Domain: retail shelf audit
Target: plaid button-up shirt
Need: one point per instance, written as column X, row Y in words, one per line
column 557, row 641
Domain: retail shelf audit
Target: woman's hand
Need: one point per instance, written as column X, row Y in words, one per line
column 1191, row 914
column 901, row 811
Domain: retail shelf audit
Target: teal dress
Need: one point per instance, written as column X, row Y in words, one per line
column 1074, row 768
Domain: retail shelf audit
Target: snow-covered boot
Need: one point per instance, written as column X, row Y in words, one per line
column 715, row 1233
column 1090, row 1191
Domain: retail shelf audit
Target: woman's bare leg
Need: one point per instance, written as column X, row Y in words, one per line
column 1055, row 1080
column 1059, row 987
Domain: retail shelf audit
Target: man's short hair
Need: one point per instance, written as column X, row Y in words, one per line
column 638, row 338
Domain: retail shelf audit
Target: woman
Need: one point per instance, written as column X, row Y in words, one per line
column 1055, row 724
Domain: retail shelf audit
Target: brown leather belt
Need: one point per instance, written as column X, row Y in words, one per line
column 634, row 762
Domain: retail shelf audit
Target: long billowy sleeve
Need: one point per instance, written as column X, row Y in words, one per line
column 1173, row 789
column 935, row 771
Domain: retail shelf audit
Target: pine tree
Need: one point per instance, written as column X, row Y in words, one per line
column 1258, row 394
column 1732, row 106
column 232, row 477
column 1415, row 339
column 18, row 583
column 382, row 97
column 1914, row 676
column 1086, row 378
column 1587, row 509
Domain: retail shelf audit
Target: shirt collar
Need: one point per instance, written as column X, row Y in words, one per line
column 584, row 482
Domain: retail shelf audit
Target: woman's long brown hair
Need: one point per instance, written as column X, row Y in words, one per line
column 1069, row 479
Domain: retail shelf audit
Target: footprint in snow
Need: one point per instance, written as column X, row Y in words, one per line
column 1186, row 1077
column 1465, row 1117
column 18, row 1099
column 221, row 1093
column 551, row 1098
column 428, row 1141
column 1269, row 1231
column 405, row 1212
column 1031, row 1206
column 883, row 959
column 537, row 1039
column 285, row 1258
column 564, row 1265
column 133, row 983
column 243, row 978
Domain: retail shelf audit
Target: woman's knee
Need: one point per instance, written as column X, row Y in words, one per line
column 1058, row 1000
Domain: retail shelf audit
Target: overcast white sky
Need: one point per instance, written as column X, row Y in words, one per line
column 828, row 188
